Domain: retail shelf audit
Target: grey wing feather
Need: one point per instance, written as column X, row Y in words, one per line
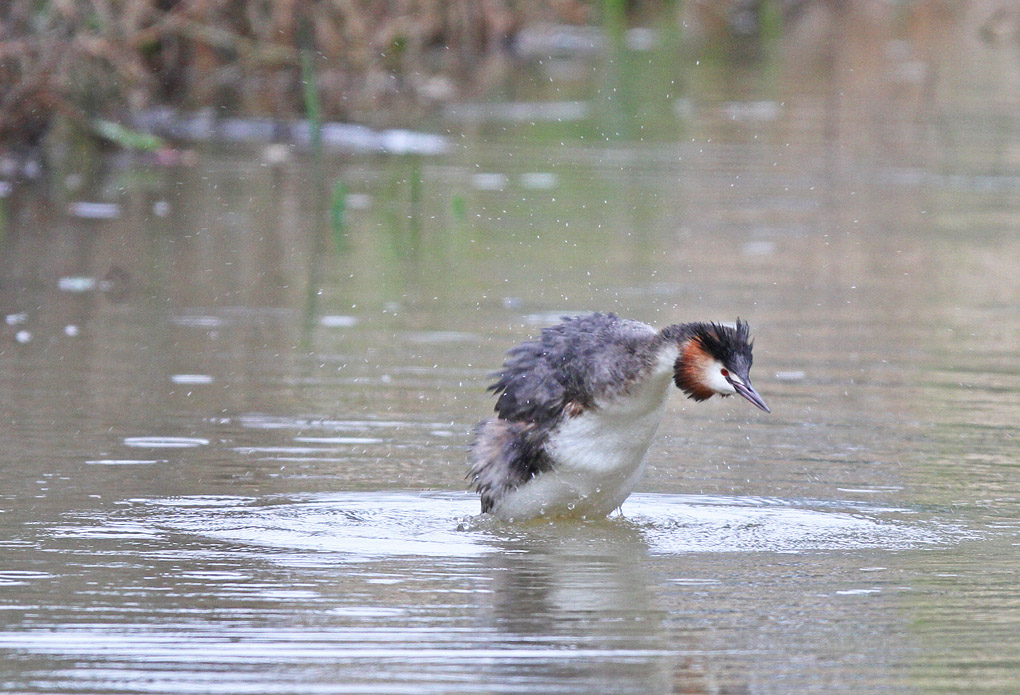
column 504, row 456
column 575, row 361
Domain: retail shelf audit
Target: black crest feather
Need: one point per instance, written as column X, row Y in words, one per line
column 731, row 346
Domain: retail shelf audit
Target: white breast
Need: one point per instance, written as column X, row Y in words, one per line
column 599, row 455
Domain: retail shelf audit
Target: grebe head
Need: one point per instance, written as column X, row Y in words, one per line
column 716, row 359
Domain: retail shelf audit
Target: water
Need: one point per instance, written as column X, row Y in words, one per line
column 235, row 436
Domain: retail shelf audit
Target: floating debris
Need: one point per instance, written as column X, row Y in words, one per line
column 540, row 180
column 489, row 182
column 338, row 440
column 641, row 39
column 94, row 211
column 751, row 110
column 5, row 189
column 276, row 153
column 359, row 201
column 165, row 442
column 23, row 337
column 547, row 40
column 191, row 379
column 197, row 321
column 345, row 136
column 794, row 375
column 71, row 330
column 16, row 319
column 759, row 248
column 338, row 321
column 77, row 284
column 161, row 208
column 520, row 112
column 282, row 134
column 248, row 129
column 410, row 142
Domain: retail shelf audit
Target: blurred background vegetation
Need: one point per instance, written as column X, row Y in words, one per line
column 86, row 59
column 101, row 67
column 372, row 61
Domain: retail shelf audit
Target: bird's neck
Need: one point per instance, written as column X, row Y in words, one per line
column 690, row 362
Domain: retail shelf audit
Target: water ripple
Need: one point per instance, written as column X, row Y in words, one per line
column 358, row 526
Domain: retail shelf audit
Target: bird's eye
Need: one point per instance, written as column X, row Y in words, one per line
column 725, row 372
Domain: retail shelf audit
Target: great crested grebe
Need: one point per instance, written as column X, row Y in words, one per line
column 578, row 408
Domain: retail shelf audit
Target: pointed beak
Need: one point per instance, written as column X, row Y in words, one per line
column 747, row 391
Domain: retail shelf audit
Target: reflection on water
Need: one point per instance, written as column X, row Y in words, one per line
column 235, row 428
